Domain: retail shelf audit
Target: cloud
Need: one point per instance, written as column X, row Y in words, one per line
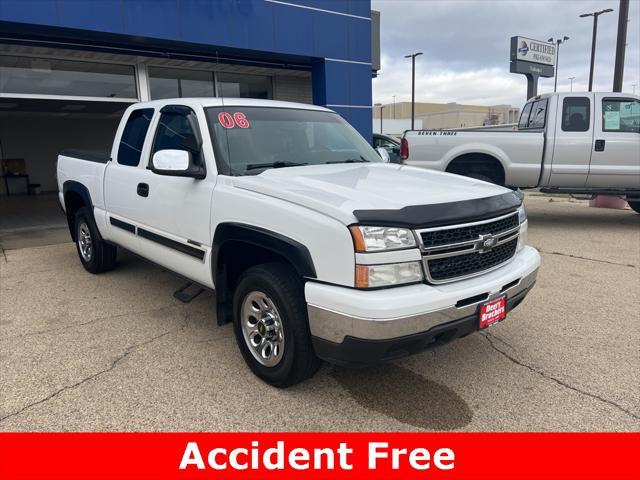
column 466, row 48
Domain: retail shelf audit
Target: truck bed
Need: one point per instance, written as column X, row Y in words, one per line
column 520, row 152
column 97, row 156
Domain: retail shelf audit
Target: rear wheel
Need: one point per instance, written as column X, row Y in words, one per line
column 271, row 326
column 95, row 254
column 635, row 205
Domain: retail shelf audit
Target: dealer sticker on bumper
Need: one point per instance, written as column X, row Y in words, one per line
column 493, row 312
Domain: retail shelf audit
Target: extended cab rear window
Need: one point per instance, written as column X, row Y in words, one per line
column 133, row 137
column 576, row 114
column 250, row 140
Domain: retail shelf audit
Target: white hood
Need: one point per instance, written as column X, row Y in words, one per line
column 338, row 190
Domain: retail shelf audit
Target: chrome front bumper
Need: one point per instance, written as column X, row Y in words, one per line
column 338, row 315
column 334, row 326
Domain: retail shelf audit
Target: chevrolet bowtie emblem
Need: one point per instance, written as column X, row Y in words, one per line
column 486, row 243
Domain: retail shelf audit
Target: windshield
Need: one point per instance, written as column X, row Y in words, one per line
column 251, row 139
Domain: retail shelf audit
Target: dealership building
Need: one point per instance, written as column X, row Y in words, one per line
column 69, row 68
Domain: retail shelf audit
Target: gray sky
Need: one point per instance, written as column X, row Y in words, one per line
column 466, row 47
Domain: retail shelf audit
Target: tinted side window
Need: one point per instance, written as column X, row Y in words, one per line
column 177, row 131
column 524, row 117
column 576, row 114
column 620, row 115
column 133, row 137
column 538, row 114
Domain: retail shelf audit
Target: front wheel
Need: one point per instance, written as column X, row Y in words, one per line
column 271, row 326
column 635, row 205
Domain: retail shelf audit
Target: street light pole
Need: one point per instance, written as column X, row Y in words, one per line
column 394, row 106
column 571, row 79
column 595, row 16
column 413, row 86
column 558, row 43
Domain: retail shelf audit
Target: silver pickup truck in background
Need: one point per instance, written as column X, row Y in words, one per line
column 575, row 143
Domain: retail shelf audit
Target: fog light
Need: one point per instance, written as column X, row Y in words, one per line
column 372, row 276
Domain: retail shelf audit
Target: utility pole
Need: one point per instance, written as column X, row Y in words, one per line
column 595, row 16
column 558, row 43
column 413, row 86
column 623, row 19
column 394, row 107
column 571, row 79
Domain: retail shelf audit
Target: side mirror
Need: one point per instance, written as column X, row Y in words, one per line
column 383, row 154
column 177, row 163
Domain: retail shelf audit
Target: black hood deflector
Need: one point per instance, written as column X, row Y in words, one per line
column 441, row 214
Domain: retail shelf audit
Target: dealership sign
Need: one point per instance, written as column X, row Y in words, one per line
column 534, row 51
column 533, row 59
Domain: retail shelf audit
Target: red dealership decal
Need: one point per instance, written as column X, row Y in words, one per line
column 238, row 119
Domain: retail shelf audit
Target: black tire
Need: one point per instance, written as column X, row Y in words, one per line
column 635, row 205
column 102, row 256
column 297, row 360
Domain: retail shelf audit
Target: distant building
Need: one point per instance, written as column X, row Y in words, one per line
column 450, row 115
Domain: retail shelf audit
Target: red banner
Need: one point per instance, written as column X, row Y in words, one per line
column 326, row 456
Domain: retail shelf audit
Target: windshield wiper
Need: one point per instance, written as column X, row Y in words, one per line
column 279, row 164
column 352, row 160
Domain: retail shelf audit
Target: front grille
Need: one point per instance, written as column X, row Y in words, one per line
column 447, row 236
column 461, row 251
column 446, row 268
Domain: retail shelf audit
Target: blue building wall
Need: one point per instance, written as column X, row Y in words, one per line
column 332, row 38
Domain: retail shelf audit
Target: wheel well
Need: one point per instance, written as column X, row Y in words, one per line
column 479, row 163
column 73, row 202
column 233, row 258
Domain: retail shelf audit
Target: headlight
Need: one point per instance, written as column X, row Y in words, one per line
column 372, row 276
column 522, row 214
column 524, row 227
column 377, row 239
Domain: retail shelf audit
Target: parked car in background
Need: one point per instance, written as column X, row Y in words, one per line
column 316, row 248
column 390, row 144
column 575, row 143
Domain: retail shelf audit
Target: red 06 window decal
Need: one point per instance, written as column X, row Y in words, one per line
column 241, row 120
column 238, row 119
column 226, row 120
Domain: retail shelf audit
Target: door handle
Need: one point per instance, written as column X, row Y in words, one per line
column 143, row 189
column 599, row 146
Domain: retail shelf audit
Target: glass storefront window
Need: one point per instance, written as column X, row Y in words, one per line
column 246, row 86
column 174, row 83
column 48, row 76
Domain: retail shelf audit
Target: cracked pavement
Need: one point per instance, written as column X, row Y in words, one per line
column 118, row 352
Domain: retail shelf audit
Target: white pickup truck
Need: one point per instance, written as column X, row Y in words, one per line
column 576, row 143
column 315, row 247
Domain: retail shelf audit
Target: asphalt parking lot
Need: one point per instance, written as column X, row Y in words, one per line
column 118, row 352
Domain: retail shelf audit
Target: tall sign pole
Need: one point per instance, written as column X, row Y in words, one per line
column 623, row 19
